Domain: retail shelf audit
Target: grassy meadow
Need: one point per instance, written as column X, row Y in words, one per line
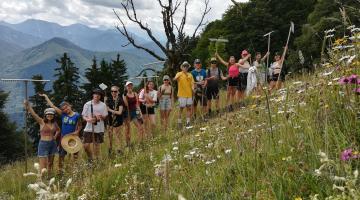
column 236, row 155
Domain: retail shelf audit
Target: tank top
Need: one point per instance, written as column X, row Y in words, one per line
column 167, row 92
column 47, row 131
column 233, row 71
column 131, row 102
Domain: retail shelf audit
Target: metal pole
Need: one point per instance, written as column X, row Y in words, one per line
column 26, row 126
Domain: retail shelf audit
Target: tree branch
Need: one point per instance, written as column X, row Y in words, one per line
column 206, row 11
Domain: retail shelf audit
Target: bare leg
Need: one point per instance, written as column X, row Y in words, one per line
column 152, row 121
column 43, row 161
column 97, row 151
column 127, row 132
column 61, row 163
column 110, row 134
column 117, row 133
column 50, row 164
column 87, row 147
column 140, row 128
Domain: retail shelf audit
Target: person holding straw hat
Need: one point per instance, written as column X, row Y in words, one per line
column 49, row 131
column 70, row 124
column 94, row 113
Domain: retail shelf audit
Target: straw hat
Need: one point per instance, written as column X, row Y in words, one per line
column 71, row 143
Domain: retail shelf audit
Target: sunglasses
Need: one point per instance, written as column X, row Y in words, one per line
column 214, row 62
column 113, row 91
column 166, row 79
column 197, row 63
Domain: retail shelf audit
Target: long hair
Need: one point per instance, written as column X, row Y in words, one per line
column 147, row 86
column 49, row 121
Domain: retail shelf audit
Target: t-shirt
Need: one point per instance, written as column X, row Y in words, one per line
column 152, row 94
column 111, row 104
column 98, row 109
column 185, row 83
column 244, row 67
column 275, row 67
column 199, row 75
column 68, row 123
column 214, row 72
column 233, row 71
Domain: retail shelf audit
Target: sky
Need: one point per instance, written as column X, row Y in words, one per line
column 99, row 13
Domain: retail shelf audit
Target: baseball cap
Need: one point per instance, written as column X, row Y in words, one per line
column 128, row 83
column 197, row 60
column 213, row 60
column 166, row 77
column 49, row 111
column 97, row 91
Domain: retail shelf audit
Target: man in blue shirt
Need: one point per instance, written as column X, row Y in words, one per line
column 70, row 124
column 199, row 76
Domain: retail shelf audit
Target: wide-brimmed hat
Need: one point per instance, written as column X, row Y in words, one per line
column 49, row 111
column 128, row 83
column 185, row 64
column 71, row 143
column 213, row 59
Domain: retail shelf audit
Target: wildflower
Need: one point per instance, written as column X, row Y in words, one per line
column 343, row 81
column 330, row 36
column 356, row 174
column 82, row 197
column 353, row 79
column 181, row 197
column 29, row 174
column 52, row 181
column 175, row 148
column 355, row 30
column 327, row 73
column 203, row 128
column 118, row 165
column 37, row 166
column 338, row 178
column 343, row 58
column 329, row 31
column 351, row 59
column 338, row 187
column 317, row 172
column 227, row 151
column 323, row 157
column 357, row 91
column 298, row 198
column 68, row 183
column 346, row 155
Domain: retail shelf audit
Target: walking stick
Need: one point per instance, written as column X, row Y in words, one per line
column 291, row 30
column 92, row 129
column 25, row 81
column 267, row 59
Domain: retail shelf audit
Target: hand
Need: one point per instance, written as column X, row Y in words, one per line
column 26, row 104
column 43, row 95
column 92, row 120
column 99, row 117
column 267, row 54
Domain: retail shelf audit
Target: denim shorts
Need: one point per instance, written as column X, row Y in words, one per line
column 47, row 148
column 165, row 104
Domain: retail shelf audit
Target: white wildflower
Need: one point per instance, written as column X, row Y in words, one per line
column 355, row 30
column 52, row 181
column 210, row 145
column 338, row 178
column 29, row 174
column 338, row 188
column 330, row 83
column 203, row 128
column 82, row 197
column 297, row 83
column 175, row 148
column 317, row 172
column 189, row 127
column 329, row 31
column 181, row 197
column 343, row 58
column 227, row 151
column 34, row 187
column 315, row 197
column 351, row 59
column 356, row 174
column 350, row 27
column 330, row 36
column 68, row 183
column 37, row 166
column 118, row 165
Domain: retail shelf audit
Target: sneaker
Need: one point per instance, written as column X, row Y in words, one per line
column 187, row 124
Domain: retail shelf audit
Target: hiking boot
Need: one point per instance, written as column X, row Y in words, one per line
column 187, row 124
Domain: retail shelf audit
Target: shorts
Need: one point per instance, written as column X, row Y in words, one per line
column 150, row 110
column 47, row 148
column 165, row 104
column 200, row 98
column 132, row 114
column 233, row 81
column 242, row 81
column 117, row 122
column 185, row 102
column 99, row 138
column 212, row 93
column 275, row 77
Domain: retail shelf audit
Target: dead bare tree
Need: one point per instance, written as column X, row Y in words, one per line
column 177, row 41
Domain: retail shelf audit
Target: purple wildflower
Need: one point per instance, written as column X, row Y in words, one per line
column 357, row 91
column 346, row 155
column 343, row 81
column 353, row 79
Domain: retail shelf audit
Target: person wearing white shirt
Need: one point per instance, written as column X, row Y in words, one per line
column 94, row 113
column 148, row 99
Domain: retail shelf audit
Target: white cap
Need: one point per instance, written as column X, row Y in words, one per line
column 128, row 83
column 49, row 111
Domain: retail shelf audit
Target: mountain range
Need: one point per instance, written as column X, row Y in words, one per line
column 31, row 47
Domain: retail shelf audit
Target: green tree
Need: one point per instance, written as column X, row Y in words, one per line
column 66, row 86
column 38, row 104
column 93, row 77
column 11, row 141
column 119, row 69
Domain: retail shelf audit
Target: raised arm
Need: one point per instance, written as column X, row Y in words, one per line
column 50, row 103
column 32, row 112
column 265, row 56
column 221, row 60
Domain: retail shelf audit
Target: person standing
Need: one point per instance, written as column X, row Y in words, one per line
column 233, row 79
column 275, row 70
column 148, row 99
column 132, row 113
column 94, row 113
column 49, row 131
column 185, row 92
column 213, row 77
column 261, row 70
column 199, row 75
column 70, row 124
column 166, row 99
column 244, row 70
column 115, row 106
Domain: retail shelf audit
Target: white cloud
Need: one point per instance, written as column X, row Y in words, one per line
column 99, row 13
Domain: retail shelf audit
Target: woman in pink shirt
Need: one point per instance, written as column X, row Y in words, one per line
column 233, row 79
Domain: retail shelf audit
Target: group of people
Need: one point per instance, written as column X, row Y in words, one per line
column 197, row 87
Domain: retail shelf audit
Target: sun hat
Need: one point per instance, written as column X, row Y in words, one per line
column 128, row 83
column 166, row 77
column 185, row 64
column 49, row 111
column 71, row 143
column 244, row 52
